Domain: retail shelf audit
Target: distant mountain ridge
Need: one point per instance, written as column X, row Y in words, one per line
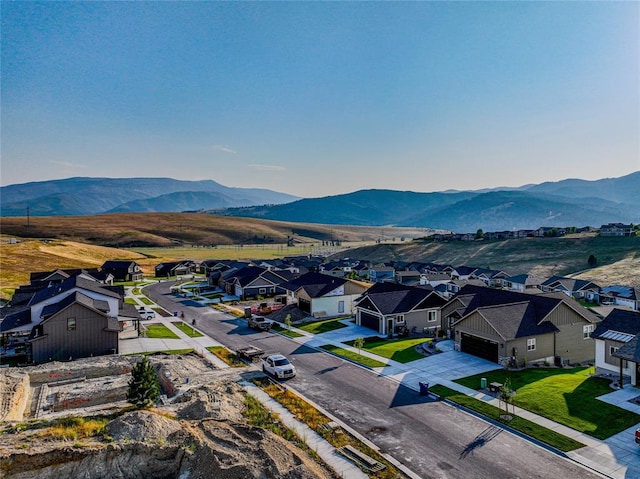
column 571, row 202
column 565, row 203
column 90, row 196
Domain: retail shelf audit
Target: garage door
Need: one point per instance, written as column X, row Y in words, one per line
column 370, row 321
column 480, row 347
column 304, row 305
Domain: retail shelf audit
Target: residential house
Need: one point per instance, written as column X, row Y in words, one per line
column 323, row 295
column 123, row 271
column 77, row 317
column 505, row 326
column 575, row 288
column 620, row 295
column 390, row 309
column 491, row 277
column 616, row 343
column 616, row 229
column 522, row 283
column 253, row 282
column 382, row 274
column 175, row 268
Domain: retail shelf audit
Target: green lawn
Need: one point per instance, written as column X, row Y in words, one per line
column 131, row 301
column 353, row 356
column 401, row 350
column 159, row 331
column 145, row 300
column 529, row 428
column 567, row 396
column 287, row 332
column 319, row 327
column 187, row 329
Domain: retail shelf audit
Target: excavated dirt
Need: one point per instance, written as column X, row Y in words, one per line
column 198, row 432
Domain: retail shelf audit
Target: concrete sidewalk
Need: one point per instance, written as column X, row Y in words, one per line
column 617, row 457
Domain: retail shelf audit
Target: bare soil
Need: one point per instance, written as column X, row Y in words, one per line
column 198, row 432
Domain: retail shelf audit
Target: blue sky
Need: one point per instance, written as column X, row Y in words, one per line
column 321, row 98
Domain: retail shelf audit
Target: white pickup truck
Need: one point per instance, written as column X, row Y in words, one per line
column 278, row 366
column 146, row 313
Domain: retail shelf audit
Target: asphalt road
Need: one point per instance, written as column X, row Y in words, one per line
column 431, row 438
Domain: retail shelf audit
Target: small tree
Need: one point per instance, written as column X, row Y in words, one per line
column 144, row 388
column 358, row 343
column 506, row 395
column 479, row 234
column 287, row 321
column 592, row 261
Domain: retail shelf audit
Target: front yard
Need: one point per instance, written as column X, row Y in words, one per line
column 567, row 396
column 324, row 326
column 402, row 350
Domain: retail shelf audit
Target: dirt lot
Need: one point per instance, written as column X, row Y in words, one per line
column 198, row 432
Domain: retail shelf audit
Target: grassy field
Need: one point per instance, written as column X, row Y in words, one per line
column 566, row 396
column 401, row 350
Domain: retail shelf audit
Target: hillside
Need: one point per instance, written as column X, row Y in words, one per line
column 566, row 203
column 171, row 229
column 618, row 258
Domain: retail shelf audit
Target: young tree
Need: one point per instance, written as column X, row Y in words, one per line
column 287, row 321
column 358, row 343
column 144, row 388
column 479, row 234
column 592, row 261
column 506, row 395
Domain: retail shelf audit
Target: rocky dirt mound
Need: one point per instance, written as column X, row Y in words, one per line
column 142, row 426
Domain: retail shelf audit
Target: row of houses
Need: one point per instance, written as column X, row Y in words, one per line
column 610, row 229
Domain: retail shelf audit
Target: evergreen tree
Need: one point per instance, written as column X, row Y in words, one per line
column 144, row 388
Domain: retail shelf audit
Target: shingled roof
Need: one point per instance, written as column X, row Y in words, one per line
column 619, row 320
column 397, row 301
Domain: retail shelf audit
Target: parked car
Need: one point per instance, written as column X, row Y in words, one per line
column 260, row 323
column 146, row 313
column 279, row 366
column 638, row 436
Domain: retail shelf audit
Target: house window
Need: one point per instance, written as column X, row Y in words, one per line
column 612, row 349
column 71, row 324
column 587, row 330
column 262, row 290
column 340, row 306
column 431, row 316
column 531, row 344
column 400, row 319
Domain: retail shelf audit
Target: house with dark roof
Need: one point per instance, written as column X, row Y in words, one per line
column 522, row 283
column 616, row 343
column 175, row 268
column 616, row 229
column 254, row 281
column 74, row 318
column 323, row 295
column 505, row 326
column 491, row 277
column 391, row 309
column 123, row 271
column 620, row 295
column 575, row 288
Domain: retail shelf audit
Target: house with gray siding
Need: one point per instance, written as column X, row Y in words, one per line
column 616, row 343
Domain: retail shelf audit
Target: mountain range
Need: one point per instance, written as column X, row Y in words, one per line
column 92, row 196
column 571, row 202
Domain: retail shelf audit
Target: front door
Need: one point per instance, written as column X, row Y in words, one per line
column 389, row 327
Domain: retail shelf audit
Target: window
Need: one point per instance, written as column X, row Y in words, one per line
column 612, row 349
column 432, row 315
column 531, row 344
column 71, row 324
column 262, row 290
column 587, row 330
column 400, row 319
column 340, row 306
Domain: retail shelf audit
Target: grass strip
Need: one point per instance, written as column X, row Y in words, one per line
column 522, row 425
column 287, row 332
column 309, row 415
column 353, row 356
column 188, row 330
column 229, row 357
column 564, row 395
column 156, row 330
column 324, row 326
column 402, row 350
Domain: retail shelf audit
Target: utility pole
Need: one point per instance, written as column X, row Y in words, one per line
column 27, row 217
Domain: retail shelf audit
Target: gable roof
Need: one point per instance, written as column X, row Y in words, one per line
column 68, row 285
column 620, row 321
column 570, row 284
column 515, row 320
column 397, row 301
column 15, row 319
column 76, row 297
column 314, row 284
column 621, row 291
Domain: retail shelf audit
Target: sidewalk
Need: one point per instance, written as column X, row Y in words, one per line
column 617, row 457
